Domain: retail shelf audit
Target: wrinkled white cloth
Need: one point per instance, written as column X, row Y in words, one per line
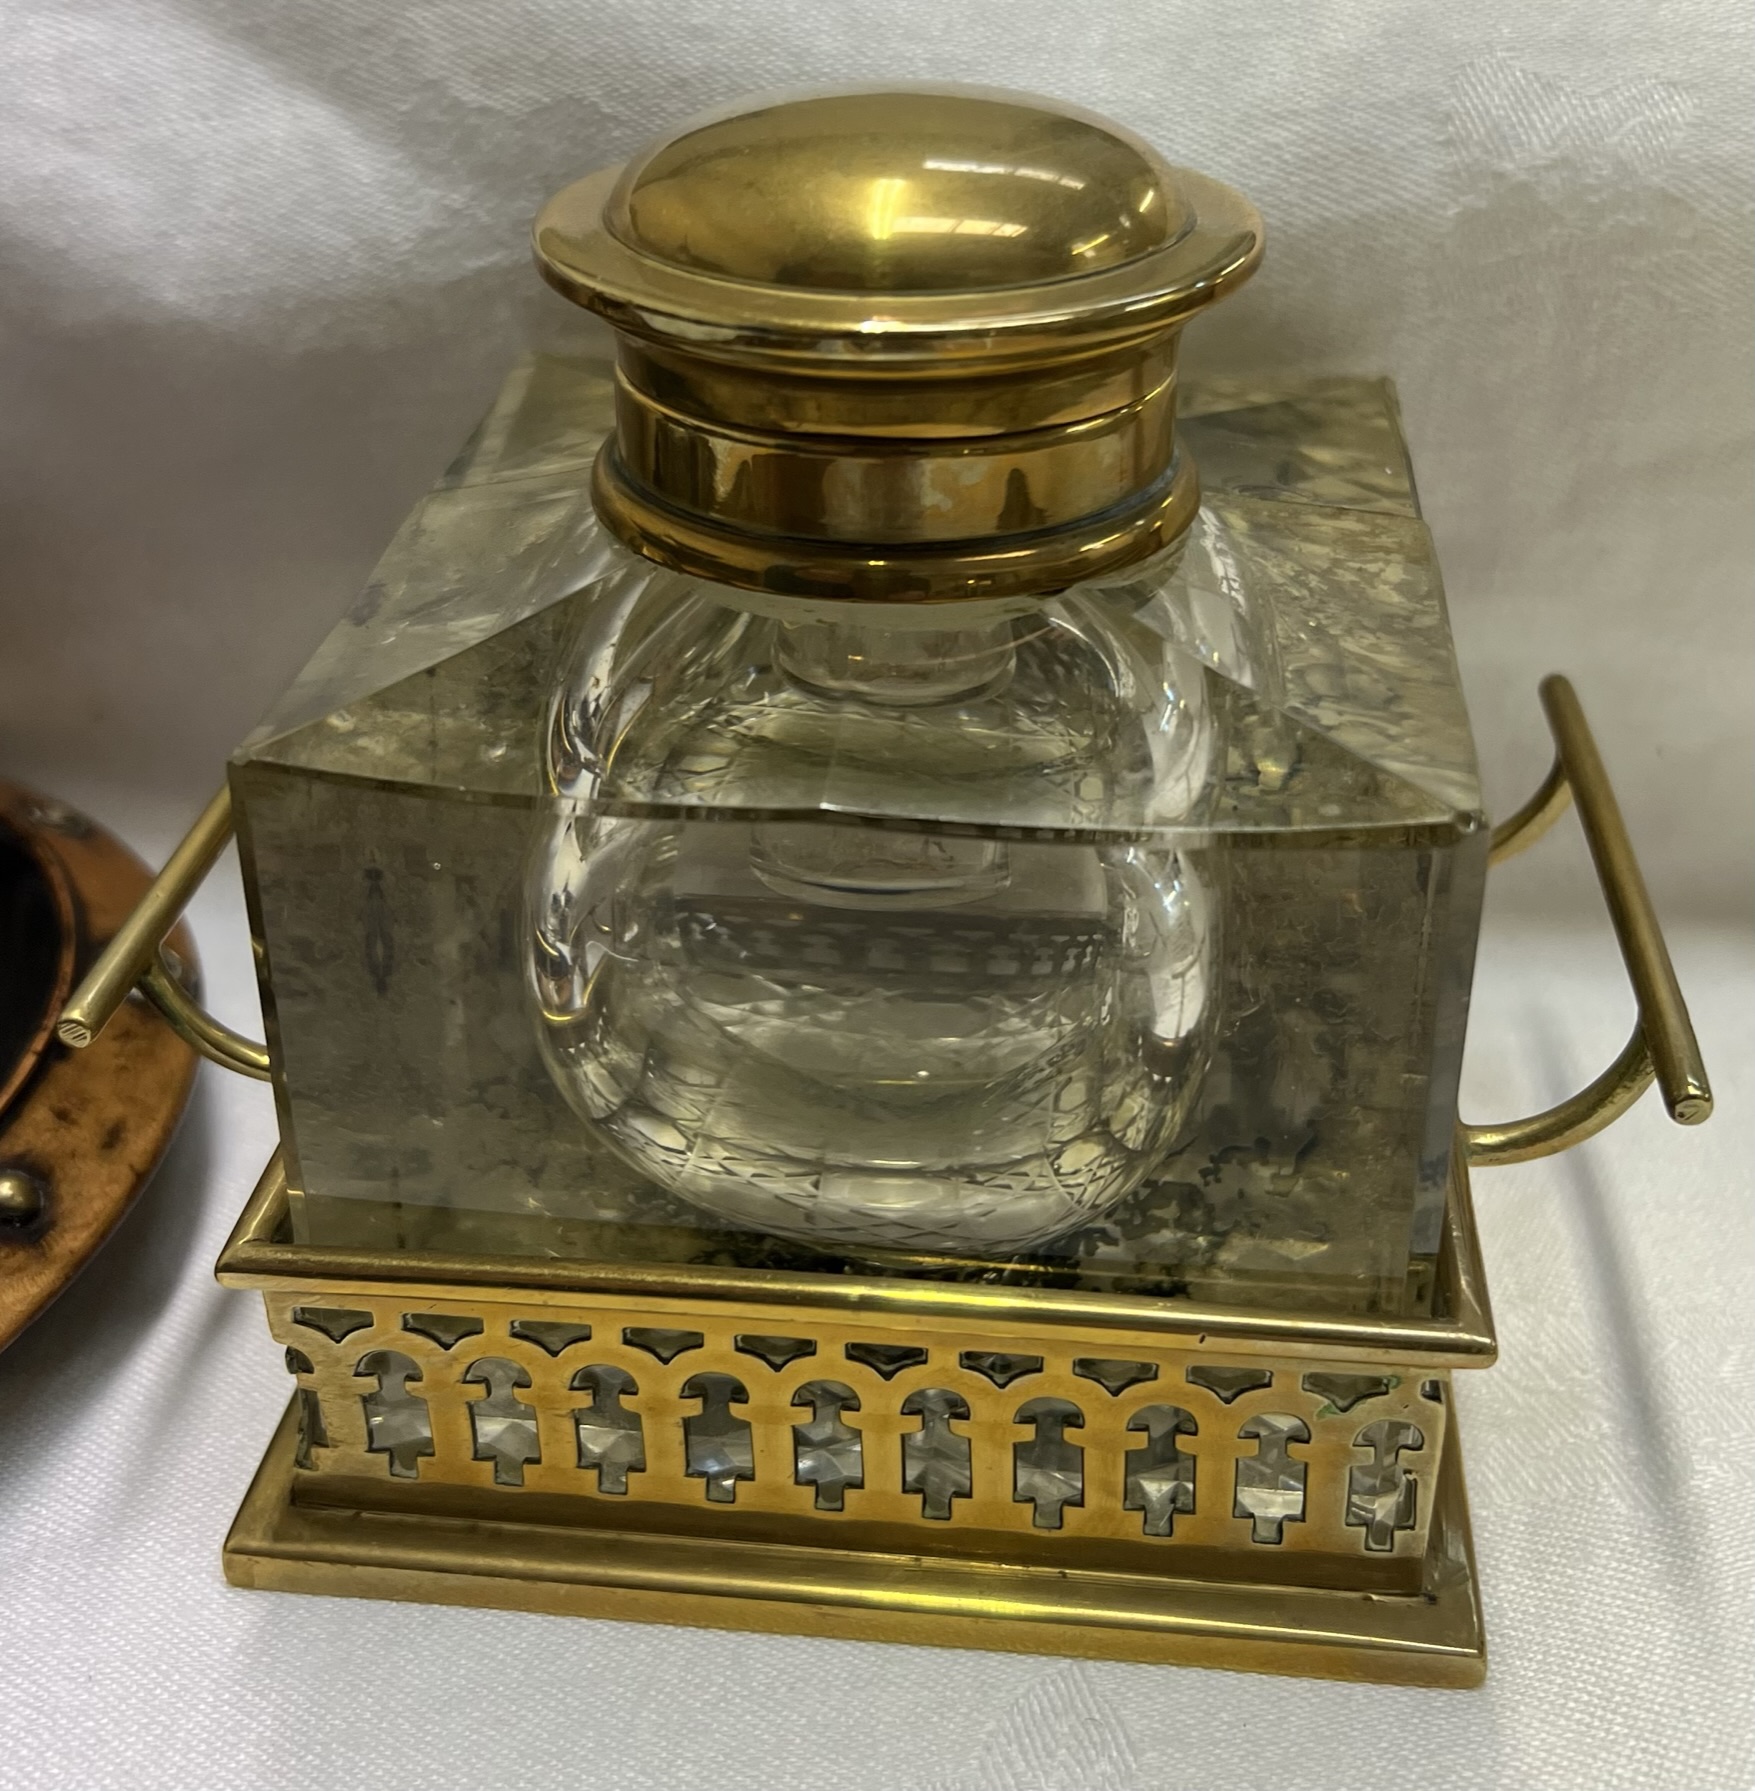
column 262, row 266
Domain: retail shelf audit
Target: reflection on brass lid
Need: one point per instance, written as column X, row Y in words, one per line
column 907, row 194
column 897, row 345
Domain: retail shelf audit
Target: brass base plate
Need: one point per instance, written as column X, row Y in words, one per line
column 1433, row 1638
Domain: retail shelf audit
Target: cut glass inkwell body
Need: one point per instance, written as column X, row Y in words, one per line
column 855, row 962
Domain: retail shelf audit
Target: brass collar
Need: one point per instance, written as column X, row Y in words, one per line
column 900, row 346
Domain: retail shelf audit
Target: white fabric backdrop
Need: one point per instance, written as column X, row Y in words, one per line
column 265, row 264
column 262, row 265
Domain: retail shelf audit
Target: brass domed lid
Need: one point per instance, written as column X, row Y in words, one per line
column 907, row 195
column 911, row 344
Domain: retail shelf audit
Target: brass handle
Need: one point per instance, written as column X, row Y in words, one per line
column 1663, row 1045
column 135, row 958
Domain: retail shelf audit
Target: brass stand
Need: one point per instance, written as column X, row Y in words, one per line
column 1246, row 1488
column 396, row 1473
column 1431, row 1636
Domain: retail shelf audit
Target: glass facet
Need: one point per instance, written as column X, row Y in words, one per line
column 1119, row 938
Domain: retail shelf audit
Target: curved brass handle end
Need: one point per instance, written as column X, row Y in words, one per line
column 1573, row 1120
column 1663, row 1047
column 134, row 959
column 196, row 1026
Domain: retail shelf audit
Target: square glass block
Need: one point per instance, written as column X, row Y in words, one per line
column 397, row 804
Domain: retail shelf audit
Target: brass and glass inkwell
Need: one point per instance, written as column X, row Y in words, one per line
column 865, row 973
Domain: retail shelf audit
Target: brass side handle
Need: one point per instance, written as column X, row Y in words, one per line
column 135, row 959
column 1663, row 1046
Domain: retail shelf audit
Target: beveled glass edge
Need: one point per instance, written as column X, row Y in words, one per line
column 1418, row 834
column 254, row 1257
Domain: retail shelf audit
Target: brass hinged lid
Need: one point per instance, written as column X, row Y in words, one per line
column 901, row 345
